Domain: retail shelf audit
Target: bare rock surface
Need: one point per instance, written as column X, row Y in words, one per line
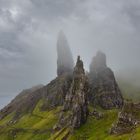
column 75, row 109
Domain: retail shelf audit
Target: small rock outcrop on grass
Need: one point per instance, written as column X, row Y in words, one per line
column 75, row 109
column 65, row 61
column 128, row 119
column 104, row 88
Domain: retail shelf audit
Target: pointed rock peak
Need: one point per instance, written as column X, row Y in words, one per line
column 76, row 100
column 79, row 68
column 99, row 61
column 65, row 61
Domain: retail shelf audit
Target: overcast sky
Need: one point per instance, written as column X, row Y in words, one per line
column 29, row 29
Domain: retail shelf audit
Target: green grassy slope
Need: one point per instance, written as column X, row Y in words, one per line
column 97, row 130
column 38, row 126
column 35, row 126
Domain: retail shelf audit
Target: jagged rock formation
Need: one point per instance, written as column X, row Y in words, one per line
column 65, row 62
column 104, row 88
column 128, row 119
column 75, row 110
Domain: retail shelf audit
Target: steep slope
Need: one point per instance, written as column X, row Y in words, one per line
column 52, row 95
column 35, row 126
column 24, row 102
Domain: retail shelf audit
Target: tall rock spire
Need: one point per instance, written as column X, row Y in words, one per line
column 65, row 61
column 104, row 88
column 76, row 100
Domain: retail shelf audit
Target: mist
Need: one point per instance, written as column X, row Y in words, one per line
column 29, row 31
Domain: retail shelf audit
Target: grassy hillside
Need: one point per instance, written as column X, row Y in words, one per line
column 97, row 130
column 35, row 126
column 38, row 126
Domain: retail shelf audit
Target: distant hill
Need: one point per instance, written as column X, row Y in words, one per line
column 129, row 90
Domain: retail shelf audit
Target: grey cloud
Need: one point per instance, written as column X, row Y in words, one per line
column 28, row 34
column 53, row 9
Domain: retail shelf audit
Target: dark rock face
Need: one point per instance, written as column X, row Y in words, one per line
column 56, row 91
column 65, row 62
column 75, row 110
column 128, row 119
column 104, row 88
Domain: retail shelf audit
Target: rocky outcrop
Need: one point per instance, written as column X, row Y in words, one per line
column 104, row 88
column 128, row 119
column 75, row 109
column 65, row 62
column 98, row 115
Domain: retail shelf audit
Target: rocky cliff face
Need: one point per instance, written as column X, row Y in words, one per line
column 65, row 62
column 104, row 88
column 75, row 109
column 128, row 119
column 56, row 91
